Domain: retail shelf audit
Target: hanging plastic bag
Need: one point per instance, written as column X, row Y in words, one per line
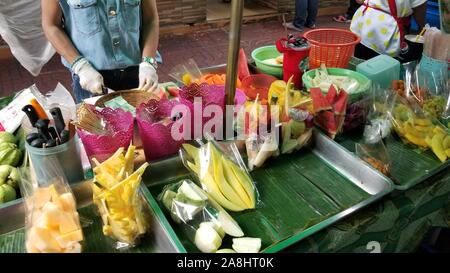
column 52, row 223
column 201, row 218
column 222, row 174
column 21, row 28
column 116, row 195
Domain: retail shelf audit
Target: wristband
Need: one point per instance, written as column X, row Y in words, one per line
column 77, row 59
column 151, row 61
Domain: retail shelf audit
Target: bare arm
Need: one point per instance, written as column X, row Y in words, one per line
column 419, row 14
column 150, row 28
column 51, row 23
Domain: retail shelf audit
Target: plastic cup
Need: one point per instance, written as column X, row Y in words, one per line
column 257, row 84
column 67, row 155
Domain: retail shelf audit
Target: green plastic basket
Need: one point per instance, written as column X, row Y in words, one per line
column 267, row 52
column 364, row 82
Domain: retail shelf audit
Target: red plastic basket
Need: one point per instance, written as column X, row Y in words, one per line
column 330, row 46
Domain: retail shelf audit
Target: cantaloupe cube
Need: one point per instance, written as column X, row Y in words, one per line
column 41, row 196
column 43, row 240
column 67, row 223
column 30, row 247
column 67, row 201
column 50, row 216
column 65, row 240
column 73, row 248
column 53, row 192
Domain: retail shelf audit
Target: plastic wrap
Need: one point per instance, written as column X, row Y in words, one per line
column 156, row 120
column 21, row 28
column 222, row 173
column 52, row 223
column 417, row 128
column 201, row 218
column 116, row 195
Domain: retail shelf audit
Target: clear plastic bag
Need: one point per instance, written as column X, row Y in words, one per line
column 222, row 173
column 260, row 148
column 417, row 128
column 21, row 28
column 52, row 223
column 186, row 73
column 378, row 127
column 116, row 195
column 201, row 218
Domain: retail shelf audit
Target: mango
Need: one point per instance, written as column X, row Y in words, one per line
column 437, row 147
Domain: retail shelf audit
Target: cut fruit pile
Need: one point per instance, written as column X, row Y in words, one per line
column 191, row 205
column 116, row 194
column 229, row 184
column 421, row 132
column 55, row 225
column 329, row 111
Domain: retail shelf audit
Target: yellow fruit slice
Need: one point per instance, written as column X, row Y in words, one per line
column 222, row 184
column 447, row 152
column 423, row 129
column 446, row 142
column 233, row 181
column 423, row 121
column 192, row 152
column 416, row 140
column 213, row 190
column 437, row 148
column 129, row 159
column 244, row 180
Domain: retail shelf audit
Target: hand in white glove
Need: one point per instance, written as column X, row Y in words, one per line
column 148, row 79
column 90, row 79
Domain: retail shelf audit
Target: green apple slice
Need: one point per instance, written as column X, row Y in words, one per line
column 207, row 239
column 247, row 245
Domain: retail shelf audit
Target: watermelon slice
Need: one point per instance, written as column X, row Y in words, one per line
column 340, row 103
column 331, row 95
column 243, row 70
column 327, row 122
column 320, row 103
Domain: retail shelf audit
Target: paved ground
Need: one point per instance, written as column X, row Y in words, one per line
column 206, row 48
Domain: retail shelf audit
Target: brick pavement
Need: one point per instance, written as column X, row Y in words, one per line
column 206, row 48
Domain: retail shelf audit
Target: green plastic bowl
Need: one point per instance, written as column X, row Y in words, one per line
column 267, row 52
column 364, row 82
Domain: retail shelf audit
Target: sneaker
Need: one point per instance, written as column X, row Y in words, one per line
column 293, row 27
column 313, row 26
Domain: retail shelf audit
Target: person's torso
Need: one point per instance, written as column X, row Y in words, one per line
column 377, row 27
column 106, row 32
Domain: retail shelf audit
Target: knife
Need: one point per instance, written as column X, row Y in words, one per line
column 42, row 126
column 58, row 118
column 31, row 114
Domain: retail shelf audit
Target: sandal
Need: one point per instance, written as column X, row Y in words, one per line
column 341, row 19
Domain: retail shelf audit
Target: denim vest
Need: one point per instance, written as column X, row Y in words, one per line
column 106, row 32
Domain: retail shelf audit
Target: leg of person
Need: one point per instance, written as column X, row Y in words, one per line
column 313, row 6
column 363, row 52
column 301, row 11
column 79, row 93
column 353, row 6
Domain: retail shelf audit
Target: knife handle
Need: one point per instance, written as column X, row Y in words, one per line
column 58, row 118
column 31, row 114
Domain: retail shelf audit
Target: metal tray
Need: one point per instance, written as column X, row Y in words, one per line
column 301, row 194
column 410, row 166
column 12, row 232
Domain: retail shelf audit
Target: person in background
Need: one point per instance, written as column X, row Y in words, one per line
column 109, row 44
column 383, row 24
column 347, row 17
column 305, row 15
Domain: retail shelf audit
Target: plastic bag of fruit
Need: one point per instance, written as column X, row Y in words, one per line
column 417, row 128
column 430, row 90
column 52, row 223
column 116, row 194
column 203, row 220
column 377, row 127
column 222, row 173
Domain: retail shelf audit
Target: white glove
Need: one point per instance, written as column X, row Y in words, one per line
column 148, row 79
column 90, row 79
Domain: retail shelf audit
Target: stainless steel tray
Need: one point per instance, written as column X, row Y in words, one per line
column 353, row 172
